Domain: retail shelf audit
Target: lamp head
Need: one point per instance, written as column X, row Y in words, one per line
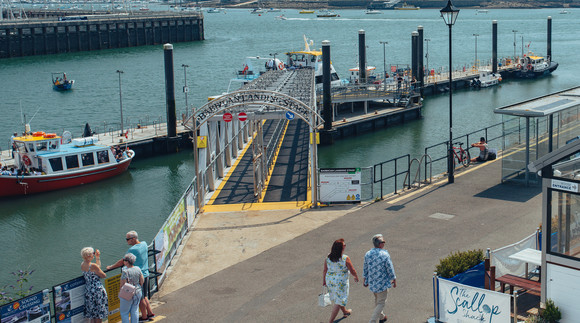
column 449, row 13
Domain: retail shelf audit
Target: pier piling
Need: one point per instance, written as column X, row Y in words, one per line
column 420, row 56
column 362, row 66
column 549, row 41
column 414, row 54
column 494, row 46
column 170, row 91
column 326, row 94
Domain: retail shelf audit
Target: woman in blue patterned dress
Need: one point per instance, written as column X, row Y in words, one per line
column 96, row 302
column 335, row 277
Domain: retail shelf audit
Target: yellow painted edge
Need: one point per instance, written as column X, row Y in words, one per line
column 257, row 206
column 216, row 193
column 276, row 154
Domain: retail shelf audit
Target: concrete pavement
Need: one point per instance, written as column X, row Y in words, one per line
column 266, row 266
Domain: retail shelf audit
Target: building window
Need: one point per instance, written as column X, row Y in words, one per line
column 565, row 224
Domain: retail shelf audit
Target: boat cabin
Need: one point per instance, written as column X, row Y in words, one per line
column 46, row 153
column 533, row 63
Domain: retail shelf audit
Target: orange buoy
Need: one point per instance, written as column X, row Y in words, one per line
column 50, row 135
column 38, row 134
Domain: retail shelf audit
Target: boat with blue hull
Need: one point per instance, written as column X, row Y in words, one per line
column 60, row 82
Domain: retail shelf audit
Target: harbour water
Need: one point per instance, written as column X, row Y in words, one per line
column 46, row 232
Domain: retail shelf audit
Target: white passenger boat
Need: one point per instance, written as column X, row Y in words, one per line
column 485, row 79
column 310, row 58
column 327, row 14
column 44, row 162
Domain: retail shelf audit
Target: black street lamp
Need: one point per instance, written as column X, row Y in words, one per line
column 427, row 40
column 121, row 100
column 475, row 64
column 384, row 57
column 449, row 15
column 185, row 88
column 514, row 31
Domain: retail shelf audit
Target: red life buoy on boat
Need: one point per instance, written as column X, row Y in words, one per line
column 519, row 66
column 38, row 134
column 50, row 135
column 529, row 66
column 26, row 160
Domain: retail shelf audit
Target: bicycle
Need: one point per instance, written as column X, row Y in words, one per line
column 460, row 155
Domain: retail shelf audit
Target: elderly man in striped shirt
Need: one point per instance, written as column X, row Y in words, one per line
column 379, row 276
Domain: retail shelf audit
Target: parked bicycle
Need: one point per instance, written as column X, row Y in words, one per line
column 460, row 155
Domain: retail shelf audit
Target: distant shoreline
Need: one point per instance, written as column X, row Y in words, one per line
column 325, row 5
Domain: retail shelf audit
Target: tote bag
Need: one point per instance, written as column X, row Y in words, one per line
column 324, row 297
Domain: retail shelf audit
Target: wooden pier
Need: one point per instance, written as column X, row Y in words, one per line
column 63, row 32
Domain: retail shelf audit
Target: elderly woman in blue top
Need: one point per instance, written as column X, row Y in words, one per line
column 131, row 275
column 379, row 276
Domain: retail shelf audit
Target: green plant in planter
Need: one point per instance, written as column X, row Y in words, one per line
column 458, row 262
column 552, row 313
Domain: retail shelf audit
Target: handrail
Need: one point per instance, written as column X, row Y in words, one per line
column 418, row 172
column 395, row 174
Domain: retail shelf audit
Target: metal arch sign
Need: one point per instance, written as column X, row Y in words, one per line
column 263, row 97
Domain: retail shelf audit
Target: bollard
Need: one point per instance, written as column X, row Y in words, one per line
column 170, row 91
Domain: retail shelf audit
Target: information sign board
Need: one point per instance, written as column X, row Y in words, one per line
column 113, row 285
column 340, row 185
column 34, row 308
column 69, row 301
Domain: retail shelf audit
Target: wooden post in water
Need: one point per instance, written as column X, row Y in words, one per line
column 170, row 91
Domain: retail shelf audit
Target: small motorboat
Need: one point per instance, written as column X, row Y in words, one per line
column 274, row 10
column 46, row 162
column 306, row 11
column 485, row 79
column 373, row 12
column 281, row 17
column 564, row 12
column 327, row 14
column 257, row 10
column 60, row 82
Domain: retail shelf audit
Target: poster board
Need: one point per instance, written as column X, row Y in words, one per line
column 69, row 301
column 462, row 303
column 113, row 285
column 340, row 184
column 169, row 234
column 34, row 308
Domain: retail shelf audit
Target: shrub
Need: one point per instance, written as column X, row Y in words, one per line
column 18, row 290
column 552, row 313
column 458, row 262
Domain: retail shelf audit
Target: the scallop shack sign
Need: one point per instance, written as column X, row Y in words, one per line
column 462, row 303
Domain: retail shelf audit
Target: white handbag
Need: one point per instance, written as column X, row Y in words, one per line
column 324, row 297
column 127, row 291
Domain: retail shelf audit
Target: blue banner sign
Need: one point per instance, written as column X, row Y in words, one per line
column 69, row 301
column 34, row 308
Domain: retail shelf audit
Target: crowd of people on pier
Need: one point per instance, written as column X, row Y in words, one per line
column 134, row 284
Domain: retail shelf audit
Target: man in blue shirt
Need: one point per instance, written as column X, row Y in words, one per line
column 139, row 249
column 379, row 276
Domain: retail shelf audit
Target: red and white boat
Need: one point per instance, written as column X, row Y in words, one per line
column 59, row 165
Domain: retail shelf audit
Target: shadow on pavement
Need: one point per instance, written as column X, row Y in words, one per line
column 510, row 192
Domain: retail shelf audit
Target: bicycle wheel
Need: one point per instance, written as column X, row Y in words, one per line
column 466, row 158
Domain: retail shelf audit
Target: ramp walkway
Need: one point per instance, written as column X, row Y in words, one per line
column 271, row 269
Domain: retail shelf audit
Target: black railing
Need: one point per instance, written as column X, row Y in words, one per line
column 378, row 169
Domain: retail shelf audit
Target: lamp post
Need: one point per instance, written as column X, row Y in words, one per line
column 514, row 31
column 274, row 62
column 475, row 63
column 121, row 100
column 449, row 15
column 427, row 40
column 185, row 88
column 384, row 57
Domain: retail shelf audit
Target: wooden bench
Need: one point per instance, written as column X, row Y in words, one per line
column 532, row 286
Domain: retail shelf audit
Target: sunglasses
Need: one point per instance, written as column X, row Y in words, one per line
column 129, row 238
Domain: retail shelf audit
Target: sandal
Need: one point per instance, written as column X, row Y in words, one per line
column 347, row 313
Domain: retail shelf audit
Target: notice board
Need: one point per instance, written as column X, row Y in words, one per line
column 340, row 185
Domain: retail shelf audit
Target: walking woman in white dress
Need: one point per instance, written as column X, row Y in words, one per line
column 335, row 277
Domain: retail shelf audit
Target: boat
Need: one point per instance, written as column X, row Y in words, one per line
column 274, row 10
column 564, row 12
column 213, row 10
column 531, row 66
column 406, row 6
column 485, row 79
column 373, row 12
column 311, row 58
column 305, row 11
column 257, row 10
column 281, row 17
column 353, row 75
column 327, row 14
column 57, row 162
column 60, row 82
column 248, row 72
column 482, row 11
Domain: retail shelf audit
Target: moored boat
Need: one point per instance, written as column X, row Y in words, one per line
column 327, row 14
column 406, row 6
column 373, row 12
column 485, row 79
column 531, row 66
column 306, row 11
column 43, row 163
column 60, row 82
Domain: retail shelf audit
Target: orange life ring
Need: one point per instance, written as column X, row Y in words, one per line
column 50, row 135
column 281, row 66
column 529, row 66
column 519, row 66
column 26, row 160
column 38, row 134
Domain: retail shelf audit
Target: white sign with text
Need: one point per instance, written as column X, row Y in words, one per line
column 462, row 303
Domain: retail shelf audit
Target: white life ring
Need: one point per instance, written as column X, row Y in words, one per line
column 130, row 153
column 26, row 160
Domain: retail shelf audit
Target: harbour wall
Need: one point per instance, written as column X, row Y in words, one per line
column 65, row 33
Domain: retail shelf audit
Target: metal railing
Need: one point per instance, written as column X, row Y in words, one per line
column 378, row 169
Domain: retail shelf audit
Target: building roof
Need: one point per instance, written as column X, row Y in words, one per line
column 544, row 105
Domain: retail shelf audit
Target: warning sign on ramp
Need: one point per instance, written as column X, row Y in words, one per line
column 340, row 185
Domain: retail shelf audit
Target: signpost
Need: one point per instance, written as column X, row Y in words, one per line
column 228, row 117
column 289, row 115
column 242, row 116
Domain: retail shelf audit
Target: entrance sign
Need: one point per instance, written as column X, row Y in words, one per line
column 564, row 186
column 340, row 185
column 242, row 116
column 33, row 308
column 289, row 115
column 462, row 303
column 228, row 117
